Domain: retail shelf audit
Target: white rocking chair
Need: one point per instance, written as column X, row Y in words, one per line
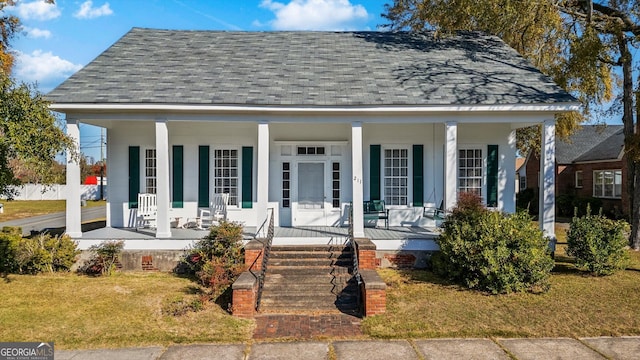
column 217, row 211
column 147, row 211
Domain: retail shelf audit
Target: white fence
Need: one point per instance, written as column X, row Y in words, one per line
column 56, row 192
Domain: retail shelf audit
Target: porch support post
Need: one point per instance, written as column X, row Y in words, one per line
column 163, row 229
column 357, row 183
column 73, row 208
column 451, row 165
column 547, row 199
column 262, row 176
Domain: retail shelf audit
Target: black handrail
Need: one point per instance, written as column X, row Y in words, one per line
column 351, row 241
column 266, row 251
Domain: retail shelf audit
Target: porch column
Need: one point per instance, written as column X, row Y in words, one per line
column 73, row 208
column 451, row 165
column 163, row 229
column 547, row 201
column 356, row 186
column 262, row 176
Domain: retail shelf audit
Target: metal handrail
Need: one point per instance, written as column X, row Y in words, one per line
column 351, row 241
column 266, row 251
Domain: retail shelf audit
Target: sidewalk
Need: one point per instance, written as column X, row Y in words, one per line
column 443, row 349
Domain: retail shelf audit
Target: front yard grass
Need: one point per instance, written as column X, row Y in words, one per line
column 105, row 312
column 19, row 209
column 421, row 305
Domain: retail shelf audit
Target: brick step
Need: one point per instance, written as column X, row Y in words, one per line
column 307, row 270
column 307, row 279
column 310, row 291
column 324, row 248
column 307, row 308
column 309, row 262
column 309, row 255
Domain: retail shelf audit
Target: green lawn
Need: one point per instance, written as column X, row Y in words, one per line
column 421, row 305
column 19, row 209
column 119, row 311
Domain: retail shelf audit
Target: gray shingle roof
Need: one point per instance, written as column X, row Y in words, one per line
column 591, row 143
column 308, row 69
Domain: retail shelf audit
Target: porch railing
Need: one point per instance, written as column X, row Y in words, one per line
column 266, row 251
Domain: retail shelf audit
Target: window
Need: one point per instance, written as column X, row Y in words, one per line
column 579, row 179
column 150, row 180
column 470, row 171
column 226, row 174
column 286, row 185
column 523, row 183
column 607, row 183
column 310, row 150
column 335, row 187
column 396, row 176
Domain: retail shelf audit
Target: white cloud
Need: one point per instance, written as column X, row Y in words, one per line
column 37, row 10
column 43, row 67
column 37, row 33
column 316, row 14
column 87, row 11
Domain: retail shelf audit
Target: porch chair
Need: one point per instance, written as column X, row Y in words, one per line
column 147, row 211
column 435, row 213
column 217, row 210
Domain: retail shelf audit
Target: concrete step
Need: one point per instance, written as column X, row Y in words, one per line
column 324, row 248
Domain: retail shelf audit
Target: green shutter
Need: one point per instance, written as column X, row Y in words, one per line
column 134, row 175
column 247, row 177
column 178, row 176
column 374, row 172
column 418, row 175
column 492, row 175
column 203, row 176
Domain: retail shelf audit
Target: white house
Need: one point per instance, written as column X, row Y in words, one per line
column 307, row 123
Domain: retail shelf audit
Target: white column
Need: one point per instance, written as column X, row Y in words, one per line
column 73, row 208
column 451, row 165
column 262, row 177
column 357, row 183
column 548, row 181
column 163, row 229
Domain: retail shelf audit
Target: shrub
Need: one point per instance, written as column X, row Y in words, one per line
column 105, row 258
column 46, row 253
column 9, row 243
column 218, row 259
column 527, row 200
column 489, row 251
column 598, row 244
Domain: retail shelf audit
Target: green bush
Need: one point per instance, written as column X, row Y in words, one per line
column 488, row 251
column 568, row 204
column 105, row 258
column 218, row 259
column 598, row 244
column 9, row 243
column 46, row 253
column 527, row 200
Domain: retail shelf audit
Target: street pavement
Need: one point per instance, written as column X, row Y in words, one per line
column 54, row 222
column 622, row 348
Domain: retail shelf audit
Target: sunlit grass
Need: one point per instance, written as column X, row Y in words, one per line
column 19, row 209
column 104, row 312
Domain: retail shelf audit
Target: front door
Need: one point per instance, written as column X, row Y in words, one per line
column 309, row 203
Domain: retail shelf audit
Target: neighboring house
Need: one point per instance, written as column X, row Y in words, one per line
column 521, row 174
column 307, row 123
column 591, row 163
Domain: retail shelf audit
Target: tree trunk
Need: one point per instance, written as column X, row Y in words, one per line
column 632, row 180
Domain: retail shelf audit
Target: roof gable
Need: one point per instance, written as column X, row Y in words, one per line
column 308, row 69
column 591, row 143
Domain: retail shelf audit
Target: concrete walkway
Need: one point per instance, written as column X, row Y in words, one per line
column 622, row 348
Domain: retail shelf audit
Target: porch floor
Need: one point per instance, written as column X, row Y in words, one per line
column 336, row 233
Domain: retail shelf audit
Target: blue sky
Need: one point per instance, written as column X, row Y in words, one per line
column 59, row 39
